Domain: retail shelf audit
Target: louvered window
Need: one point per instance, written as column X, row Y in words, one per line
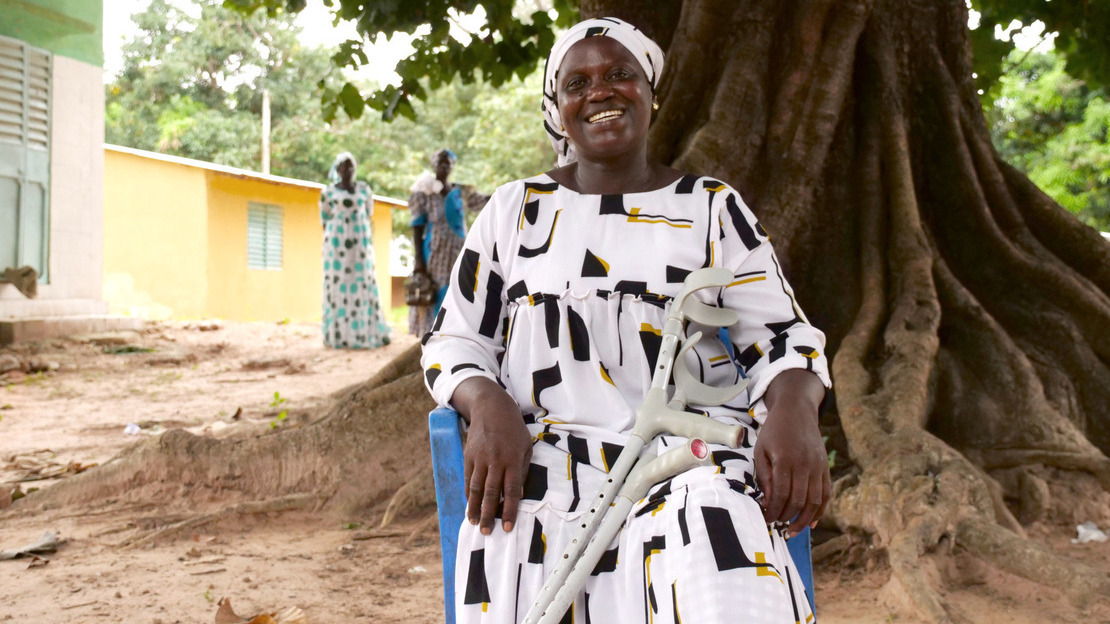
column 264, row 236
column 25, row 94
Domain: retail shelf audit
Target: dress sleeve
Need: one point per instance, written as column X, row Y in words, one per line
column 468, row 336
column 473, row 200
column 772, row 334
column 418, row 206
column 325, row 205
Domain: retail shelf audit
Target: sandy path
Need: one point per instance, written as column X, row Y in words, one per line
column 199, row 379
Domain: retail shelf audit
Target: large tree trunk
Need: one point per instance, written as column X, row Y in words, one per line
column 968, row 316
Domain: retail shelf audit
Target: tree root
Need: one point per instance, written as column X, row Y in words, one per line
column 1006, row 551
column 1077, row 461
column 905, row 561
column 282, row 503
column 417, row 492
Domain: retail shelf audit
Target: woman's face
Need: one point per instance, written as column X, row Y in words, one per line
column 346, row 171
column 604, row 99
column 443, row 167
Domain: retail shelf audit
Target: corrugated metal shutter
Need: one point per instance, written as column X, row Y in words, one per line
column 25, row 96
column 264, row 236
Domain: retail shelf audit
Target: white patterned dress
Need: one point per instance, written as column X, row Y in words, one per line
column 561, row 297
column 352, row 311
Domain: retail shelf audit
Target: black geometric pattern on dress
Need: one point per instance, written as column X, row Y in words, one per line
column 579, row 336
column 592, row 266
column 685, row 185
column 517, row 290
column 656, row 544
column 778, row 348
column 793, row 598
column 468, row 274
column 578, row 448
column 439, row 319
column 747, row 234
column 651, row 342
column 609, row 454
column 538, row 546
column 656, row 500
column 782, row 326
column 676, row 274
column 431, row 375
column 535, row 484
column 551, row 321
column 465, row 366
column 683, row 526
column 492, row 313
column 719, row 457
column 543, row 379
column 525, row 252
column 531, row 207
column 727, row 551
column 607, row 563
column 809, row 352
column 674, row 603
column 477, row 590
column 631, row 287
column 575, row 492
column 612, row 205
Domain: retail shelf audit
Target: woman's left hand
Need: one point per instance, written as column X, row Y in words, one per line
column 791, row 464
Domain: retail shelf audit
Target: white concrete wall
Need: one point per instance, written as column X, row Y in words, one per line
column 76, row 199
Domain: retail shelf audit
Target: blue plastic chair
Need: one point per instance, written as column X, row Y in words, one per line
column 447, row 465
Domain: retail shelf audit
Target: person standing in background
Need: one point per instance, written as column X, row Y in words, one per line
column 438, row 229
column 352, row 311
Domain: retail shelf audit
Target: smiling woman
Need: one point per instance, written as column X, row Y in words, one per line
column 546, row 342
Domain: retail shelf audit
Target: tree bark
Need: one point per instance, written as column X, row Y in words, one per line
column 967, row 315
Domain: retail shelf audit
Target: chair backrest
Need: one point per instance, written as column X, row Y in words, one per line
column 447, row 465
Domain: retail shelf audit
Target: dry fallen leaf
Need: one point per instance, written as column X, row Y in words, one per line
column 291, row 615
column 225, row 614
column 37, row 561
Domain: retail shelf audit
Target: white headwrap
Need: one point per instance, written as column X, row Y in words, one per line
column 333, row 173
column 646, row 51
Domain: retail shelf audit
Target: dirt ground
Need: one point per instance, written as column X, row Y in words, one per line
column 83, row 401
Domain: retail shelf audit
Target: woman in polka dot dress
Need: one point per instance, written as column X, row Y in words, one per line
column 352, row 314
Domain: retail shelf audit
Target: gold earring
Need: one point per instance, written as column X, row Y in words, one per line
column 655, row 105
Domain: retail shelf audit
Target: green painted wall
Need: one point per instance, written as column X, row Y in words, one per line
column 70, row 28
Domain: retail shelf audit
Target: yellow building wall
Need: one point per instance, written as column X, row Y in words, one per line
column 155, row 230
column 175, row 244
column 240, row 293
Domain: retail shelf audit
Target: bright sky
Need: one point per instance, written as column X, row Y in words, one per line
column 315, row 21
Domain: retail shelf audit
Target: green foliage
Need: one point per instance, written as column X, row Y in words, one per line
column 1057, row 130
column 1082, row 30
column 282, row 415
column 192, row 85
column 164, row 100
column 515, row 37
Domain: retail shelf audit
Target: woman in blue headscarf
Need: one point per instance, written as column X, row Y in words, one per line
column 438, row 228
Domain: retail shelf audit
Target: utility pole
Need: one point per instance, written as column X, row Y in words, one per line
column 266, row 131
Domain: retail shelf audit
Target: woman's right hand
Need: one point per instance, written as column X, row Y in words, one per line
column 497, row 455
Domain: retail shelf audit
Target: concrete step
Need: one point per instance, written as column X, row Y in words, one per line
column 32, row 329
